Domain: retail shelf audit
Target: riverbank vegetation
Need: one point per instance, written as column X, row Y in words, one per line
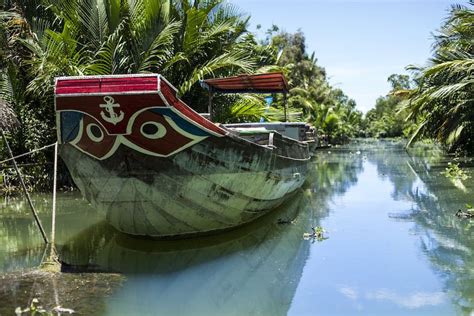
column 187, row 41
column 386, row 119
column 437, row 102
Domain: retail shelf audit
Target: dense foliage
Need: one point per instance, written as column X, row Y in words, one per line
column 189, row 40
column 185, row 40
column 387, row 119
column 442, row 103
column 42, row 39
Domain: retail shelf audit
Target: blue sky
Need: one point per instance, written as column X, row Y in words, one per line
column 359, row 42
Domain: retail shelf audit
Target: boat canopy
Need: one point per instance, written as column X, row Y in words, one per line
column 259, row 83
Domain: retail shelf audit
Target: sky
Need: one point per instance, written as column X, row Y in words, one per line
column 359, row 42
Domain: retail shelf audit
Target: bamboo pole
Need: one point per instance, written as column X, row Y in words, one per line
column 52, row 264
column 33, row 210
column 53, row 215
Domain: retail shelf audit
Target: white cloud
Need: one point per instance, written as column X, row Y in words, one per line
column 349, row 293
column 412, row 301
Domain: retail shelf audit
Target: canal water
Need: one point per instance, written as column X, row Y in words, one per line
column 392, row 245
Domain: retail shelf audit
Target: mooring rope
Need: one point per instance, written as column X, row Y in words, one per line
column 28, row 153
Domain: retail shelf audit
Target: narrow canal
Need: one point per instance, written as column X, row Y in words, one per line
column 392, row 246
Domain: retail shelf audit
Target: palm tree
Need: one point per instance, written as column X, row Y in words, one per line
column 185, row 40
column 443, row 102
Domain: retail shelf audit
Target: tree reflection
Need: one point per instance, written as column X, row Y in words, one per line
column 253, row 269
column 446, row 240
column 334, row 172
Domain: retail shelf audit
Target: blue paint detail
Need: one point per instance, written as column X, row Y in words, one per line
column 70, row 125
column 182, row 123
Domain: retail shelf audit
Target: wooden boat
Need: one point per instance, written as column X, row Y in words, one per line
column 158, row 168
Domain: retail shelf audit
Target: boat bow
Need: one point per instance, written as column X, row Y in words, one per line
column 98, row 114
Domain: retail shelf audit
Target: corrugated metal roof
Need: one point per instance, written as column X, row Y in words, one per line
column 260, row 83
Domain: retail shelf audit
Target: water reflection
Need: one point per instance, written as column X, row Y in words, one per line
column 251, row 270
column 394, row 246
column 21, row 245
column 333, row 173
column 244, row 271
column 446, row 240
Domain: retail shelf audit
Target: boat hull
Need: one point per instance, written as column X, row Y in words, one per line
column 209, row 187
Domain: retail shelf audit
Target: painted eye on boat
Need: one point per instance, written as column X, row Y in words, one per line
column 95, row 133
column 153, row 130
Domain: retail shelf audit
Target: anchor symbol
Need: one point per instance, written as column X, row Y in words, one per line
column 109, row 108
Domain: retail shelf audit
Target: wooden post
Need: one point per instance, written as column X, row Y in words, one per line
column 53, row 215
column 52, row 264
column 286, row 107
column 209, row 106
column 35, row 215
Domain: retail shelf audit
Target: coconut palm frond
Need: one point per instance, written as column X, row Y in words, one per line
column 161, row 49
column 93, row 19
column 444, row 97
column 448, row 91
column 249, row 108
column 231, row 60
column 6, row 88
column 454, row 135
column 451, row 69
column 7, row 15
column 111, row 58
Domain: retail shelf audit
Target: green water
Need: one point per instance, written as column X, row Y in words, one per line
column 394, row 247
